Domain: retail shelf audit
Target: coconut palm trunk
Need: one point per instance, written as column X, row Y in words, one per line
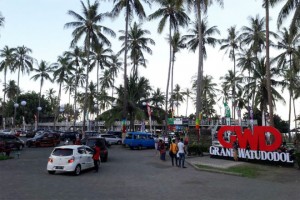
column 168, row 80
column 200, row 64
column 125, row 101
column 85, row 105
column 268, row 65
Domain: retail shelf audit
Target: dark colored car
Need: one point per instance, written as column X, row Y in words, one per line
column 43, row 138
column 12, row 142
column 4, row 147
column 30, row 133
column 91, row 141
column 68, row 135
column 116, row 133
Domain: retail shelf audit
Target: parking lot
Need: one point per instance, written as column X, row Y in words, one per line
column 128, row 174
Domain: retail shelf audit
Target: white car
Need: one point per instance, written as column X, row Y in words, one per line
column 70, row 158
column 111, row 139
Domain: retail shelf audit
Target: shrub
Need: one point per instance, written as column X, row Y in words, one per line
column 197, row 149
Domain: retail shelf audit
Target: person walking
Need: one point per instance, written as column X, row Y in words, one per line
column 96, row 156
column 181, row 152
column 162, row 150
column 173, row 152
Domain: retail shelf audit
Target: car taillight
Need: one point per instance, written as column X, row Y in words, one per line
column 50, row 160
column 71, row 160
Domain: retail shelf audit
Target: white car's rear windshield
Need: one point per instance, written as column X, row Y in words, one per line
column 62, row 152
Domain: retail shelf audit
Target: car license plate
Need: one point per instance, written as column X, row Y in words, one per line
column 59, row 167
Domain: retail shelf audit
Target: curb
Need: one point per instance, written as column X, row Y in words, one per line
column 215, row 170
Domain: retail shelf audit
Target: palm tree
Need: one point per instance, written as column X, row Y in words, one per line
column 43, row 73
column 51, row 98
column 209, row 95
column 137, row 43
column 129, row 6
column 231, row 44
column 158, row 98
column 289, row 42
column 177, row 96
column 172, row 11
column 100, row 58
column 257, row 86
column 2, row 20
column 137, row 91
column 177, row 43
column 187, row 92
column 23, row 62
column 87, row 26
column 6, row 64
column 62, row 70
column 289, row 7
column 246, row 61
column 106, row 80
column 231, row 81
column 255, row 34
column 11, row 89
column 200, row 7
column 114, row 68
column 76, row 57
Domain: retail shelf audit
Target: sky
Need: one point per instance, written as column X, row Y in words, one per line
column 39, row 25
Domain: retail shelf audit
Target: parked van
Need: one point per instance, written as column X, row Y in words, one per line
column 139, row 140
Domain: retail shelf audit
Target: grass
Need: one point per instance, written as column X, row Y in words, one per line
column 242, row 170
column 4, row 157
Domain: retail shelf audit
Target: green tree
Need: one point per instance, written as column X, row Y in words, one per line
column 257, row 87
column 200, row 7
column 289, row 42
column 87, row 26
column 11, row 89
column 209, row 95
column 231, row 45
column 177, row 97
column 62, row 70
column 6, row 64
column 76, row 59
column 231, row 81
column 114, row 68
column 291, row 6
column 171, row 11
column 137, row 43
column 178, row 43
column 23, row 62
column 100, row 57
column 130, row 6
column 43, row 73
column 2, row 20
column 187, row 92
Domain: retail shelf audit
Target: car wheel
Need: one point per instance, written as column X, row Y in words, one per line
column 77, row 170
column 119, row 142
column 51, row 172
column 28, row 145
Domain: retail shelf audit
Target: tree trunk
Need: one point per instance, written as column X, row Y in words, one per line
column 125, row 101
column 168, row 80
column 233, row 107
column 268, row 66
column 200, row 63
column 85, row 105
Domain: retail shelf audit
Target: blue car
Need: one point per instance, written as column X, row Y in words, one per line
column 139, row 140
